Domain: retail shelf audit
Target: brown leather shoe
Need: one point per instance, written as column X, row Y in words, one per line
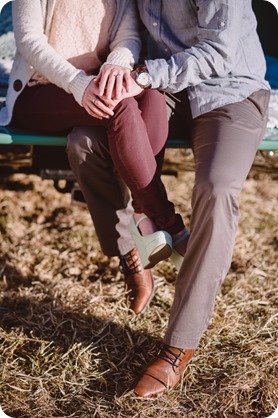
column 164, row 372
column 139, row 282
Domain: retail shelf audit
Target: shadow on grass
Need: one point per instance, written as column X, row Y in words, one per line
column 35, row 314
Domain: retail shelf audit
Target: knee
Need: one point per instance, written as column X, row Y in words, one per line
column 217, row 192
column 77, row 145
column 83, row 141
column 127, row 105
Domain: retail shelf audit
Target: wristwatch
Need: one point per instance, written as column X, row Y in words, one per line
column 143, row 78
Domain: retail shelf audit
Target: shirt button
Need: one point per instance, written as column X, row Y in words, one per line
column 222, row 24
column 166, row 49
column 154, row 23
column 17, row 85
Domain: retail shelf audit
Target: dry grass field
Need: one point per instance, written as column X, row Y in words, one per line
column 71, row 348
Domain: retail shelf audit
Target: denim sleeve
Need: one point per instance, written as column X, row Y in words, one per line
column 213, row 56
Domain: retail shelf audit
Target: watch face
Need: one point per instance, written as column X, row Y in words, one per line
column 144, row 79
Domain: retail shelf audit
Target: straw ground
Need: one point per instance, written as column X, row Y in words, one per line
column 71, row 348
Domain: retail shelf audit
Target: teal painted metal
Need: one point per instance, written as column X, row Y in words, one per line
column 265, row 145
column 268, row 145
column 10, row 136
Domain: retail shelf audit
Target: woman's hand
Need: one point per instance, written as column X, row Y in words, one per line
column 97, row 105
column 100, row 106
column 112, row 79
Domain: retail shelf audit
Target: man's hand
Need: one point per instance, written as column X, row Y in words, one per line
column 134, row 89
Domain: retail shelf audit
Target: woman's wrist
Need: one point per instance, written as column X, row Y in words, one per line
column 79, row 84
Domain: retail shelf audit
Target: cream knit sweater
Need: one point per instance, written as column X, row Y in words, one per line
column 32, row 21
column 78, row 32
column 79, row 27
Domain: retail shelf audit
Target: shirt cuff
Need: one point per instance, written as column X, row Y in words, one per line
column 159, row 72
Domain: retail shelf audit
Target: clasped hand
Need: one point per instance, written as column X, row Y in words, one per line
column 113, row 84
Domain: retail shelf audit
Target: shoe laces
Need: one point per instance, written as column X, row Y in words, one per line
column 130, row 263
column 172, row 358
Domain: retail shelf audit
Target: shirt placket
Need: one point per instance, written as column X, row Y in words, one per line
column 158, row 28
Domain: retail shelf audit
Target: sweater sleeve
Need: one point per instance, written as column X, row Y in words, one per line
column 126, row 45
column 32, row 45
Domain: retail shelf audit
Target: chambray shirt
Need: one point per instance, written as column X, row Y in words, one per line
column 209, row 47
